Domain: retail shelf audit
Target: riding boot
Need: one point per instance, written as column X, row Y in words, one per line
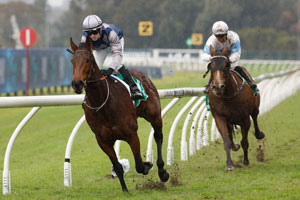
column 251, row 83
column 135, row 92
column 207, row 86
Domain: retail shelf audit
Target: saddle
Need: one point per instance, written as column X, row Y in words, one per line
column 120, row 78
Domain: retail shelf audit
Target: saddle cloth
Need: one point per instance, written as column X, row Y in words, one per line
column 119, row 77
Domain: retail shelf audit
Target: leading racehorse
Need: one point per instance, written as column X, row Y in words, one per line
column 232, row 102
column 111, row 114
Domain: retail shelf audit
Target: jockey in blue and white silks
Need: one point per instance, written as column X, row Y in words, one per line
column 105, row 38
column 233, row 44
column 221, row 36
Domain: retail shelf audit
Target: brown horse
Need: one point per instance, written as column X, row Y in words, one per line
column 232, row 102
column 111, row 114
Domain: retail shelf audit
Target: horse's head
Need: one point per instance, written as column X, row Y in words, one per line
column 82, row 61
column 219, row 68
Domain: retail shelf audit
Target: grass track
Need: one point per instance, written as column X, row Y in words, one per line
column 38, row 154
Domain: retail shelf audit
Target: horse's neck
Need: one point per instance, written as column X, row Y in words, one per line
column 232, row 83
column 97, row 89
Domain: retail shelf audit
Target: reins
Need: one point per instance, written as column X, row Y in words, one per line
column 230, row 75
column 92, row 81
column 98, row 108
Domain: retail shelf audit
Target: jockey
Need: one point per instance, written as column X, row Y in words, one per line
column 107, row 37
column 223, row 36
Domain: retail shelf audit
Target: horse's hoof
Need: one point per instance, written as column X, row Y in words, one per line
column 235, row 147
column 164, row 175
column 246, row 162
column 260, row 135
column 125, row 189
column 229, row 168
column 147, row 167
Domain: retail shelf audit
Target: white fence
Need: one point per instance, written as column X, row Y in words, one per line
column 274, row 88
column 190, row 60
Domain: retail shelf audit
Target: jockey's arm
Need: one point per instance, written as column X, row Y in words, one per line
column 116, row 50
column 206, row 57
column 235, row 52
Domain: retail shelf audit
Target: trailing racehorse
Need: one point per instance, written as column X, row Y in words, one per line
column 111, row 114
column 232, row 102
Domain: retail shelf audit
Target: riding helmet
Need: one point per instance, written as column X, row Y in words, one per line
column 219, row 28
column 91, row 22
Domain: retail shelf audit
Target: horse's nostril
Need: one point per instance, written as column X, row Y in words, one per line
column 77, row 84
column 222, row 86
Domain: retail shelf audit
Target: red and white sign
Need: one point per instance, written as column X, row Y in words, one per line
column 28, row 36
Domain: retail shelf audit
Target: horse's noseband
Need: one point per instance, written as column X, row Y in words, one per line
column 95, row 80
column 226, row 70
column 91, row 66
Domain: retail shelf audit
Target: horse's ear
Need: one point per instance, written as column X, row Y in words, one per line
column 73, row 45
column 211, row 50
column 224, row 52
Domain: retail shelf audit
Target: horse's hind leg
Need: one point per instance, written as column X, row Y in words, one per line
column 140, row 166
column 158, row 136
column 258, row 134
column 109, row 150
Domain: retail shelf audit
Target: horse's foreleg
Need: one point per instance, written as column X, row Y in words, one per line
column 222, row 127
column 140, row 166
column 109, row 150
column 245, row 144
column 258, row 134
column 227, row 146
column 158, row 136
column 234, row 147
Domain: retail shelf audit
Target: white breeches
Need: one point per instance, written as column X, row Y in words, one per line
column 101, row 54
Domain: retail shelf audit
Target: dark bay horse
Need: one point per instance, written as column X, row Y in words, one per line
column 111, row 114
column 232, row 102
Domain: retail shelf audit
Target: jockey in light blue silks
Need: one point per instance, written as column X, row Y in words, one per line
column 223, row 36
column 105, row 38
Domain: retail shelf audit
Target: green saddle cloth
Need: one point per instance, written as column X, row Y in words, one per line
column 207, row 103
column 140, row 86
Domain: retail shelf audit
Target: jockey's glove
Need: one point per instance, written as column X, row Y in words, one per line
column 107, row 72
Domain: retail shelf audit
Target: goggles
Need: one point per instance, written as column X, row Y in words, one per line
column 94, row 32
column 221, row 36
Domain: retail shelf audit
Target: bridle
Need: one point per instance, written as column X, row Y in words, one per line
column 227, row 74
column 91, row 68
column 86, row 81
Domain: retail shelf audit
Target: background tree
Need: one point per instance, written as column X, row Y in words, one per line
column 262, row 25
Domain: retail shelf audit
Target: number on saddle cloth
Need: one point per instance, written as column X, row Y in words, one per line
column 137, row 82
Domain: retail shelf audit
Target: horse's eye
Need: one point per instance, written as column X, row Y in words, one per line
column 87, row 60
